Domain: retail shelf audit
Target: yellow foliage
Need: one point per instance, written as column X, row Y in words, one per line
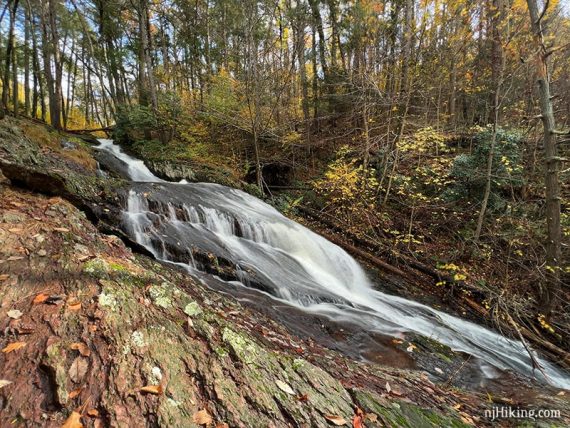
column 348, row 186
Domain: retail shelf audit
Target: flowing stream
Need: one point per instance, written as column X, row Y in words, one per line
column 294, row 265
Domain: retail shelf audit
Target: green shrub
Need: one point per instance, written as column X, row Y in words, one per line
column 469, row 170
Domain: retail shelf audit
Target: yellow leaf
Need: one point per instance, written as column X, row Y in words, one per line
column 152, row 389
column 13, row 347
column 74, row 421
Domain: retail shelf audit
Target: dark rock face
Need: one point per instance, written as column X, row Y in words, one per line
column 172, row 171
column 274, row 174
column 111, row 164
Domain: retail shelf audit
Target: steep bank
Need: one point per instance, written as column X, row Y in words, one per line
column 148, row 325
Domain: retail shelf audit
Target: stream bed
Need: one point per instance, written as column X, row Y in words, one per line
column 314, row 287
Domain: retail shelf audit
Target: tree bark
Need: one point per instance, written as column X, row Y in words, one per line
column 550, row 293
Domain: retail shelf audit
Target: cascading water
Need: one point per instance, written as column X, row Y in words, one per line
column 294, row 265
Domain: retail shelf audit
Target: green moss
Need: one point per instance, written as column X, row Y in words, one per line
column 55, row 360
column 404, row 414
column 97, row 268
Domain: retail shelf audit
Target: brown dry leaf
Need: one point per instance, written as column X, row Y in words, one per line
column 303, row 398
column 74, row 421
column 61, row 229
column 82, row 348
column 40, row 298
column 15, row 230
column 4, row 277
column 152, row 389
column 336, row 420
column 14, row 258
column 94, row 413
column 13, row 347
column 222, row 425
column 74, row 393
column 372, row 417
column 74, row 305
column 202, row 417
column 78, row 369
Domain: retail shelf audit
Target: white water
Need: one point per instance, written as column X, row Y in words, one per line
column 298, row 266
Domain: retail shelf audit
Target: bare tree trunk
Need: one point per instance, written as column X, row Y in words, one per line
column 551, row 289
column 498, row 66
column 27, row 29
column 8, row 59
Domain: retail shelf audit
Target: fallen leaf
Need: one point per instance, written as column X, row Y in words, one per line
column 13, row 347
column 74, row 306
column 438, row 370
column 14, row 258
column 4, row 382
column 202, row 417
column 78, row 369
column 94, row 413
column 15, row 314
column 561, row 393
column 74, row 393
column 388, row 387
column 372, row 417
column 74, row 421
column 336, row 420
column 15, row 230
column 152, row 389
column 222, row 425
column 303, row 398
column 4, row 277
column 40, row 298
column 411, row 347
column 82, row 348
column 61, row 229
column 357, row 421
column 284, row 387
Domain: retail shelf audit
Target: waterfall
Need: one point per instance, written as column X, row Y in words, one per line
column 294, row 265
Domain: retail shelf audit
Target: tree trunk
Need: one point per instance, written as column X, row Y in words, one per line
column 551, row 290
column 8, row 59
column 498, row 66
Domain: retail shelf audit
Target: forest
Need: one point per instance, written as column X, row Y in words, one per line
column 429, row 139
